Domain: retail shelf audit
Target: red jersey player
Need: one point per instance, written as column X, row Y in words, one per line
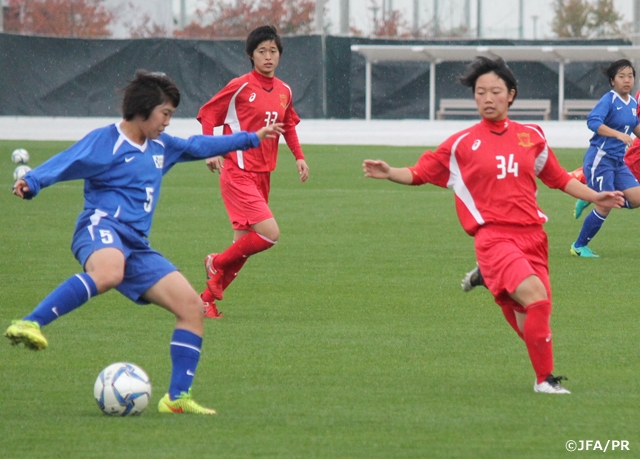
column 492, row 168
column 255, row 99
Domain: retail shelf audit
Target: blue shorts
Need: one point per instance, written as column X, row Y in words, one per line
column 606, row 173
column 144, row 267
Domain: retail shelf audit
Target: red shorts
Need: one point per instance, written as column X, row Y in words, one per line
column 509, row 254
column 632, row 159
column 245, row 195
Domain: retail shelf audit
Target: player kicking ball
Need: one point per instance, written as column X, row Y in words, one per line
column 122, row 166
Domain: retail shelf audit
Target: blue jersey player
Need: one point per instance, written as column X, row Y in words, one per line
column 613, row 120
column 122, row 166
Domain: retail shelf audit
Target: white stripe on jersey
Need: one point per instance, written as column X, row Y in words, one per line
column 234, row 123
column 95, row 220
column 601, row 153
column 120, row 141
column 542, row 158
column 290, row 94
column 458, row 186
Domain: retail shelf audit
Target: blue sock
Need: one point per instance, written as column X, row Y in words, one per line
column 185, row 354
column 590, row 228
column 71, row 294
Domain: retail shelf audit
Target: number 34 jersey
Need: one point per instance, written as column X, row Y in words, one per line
column 492, row 169
column 249, row 103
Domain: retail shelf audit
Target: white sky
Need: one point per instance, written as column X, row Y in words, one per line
column 499, row 17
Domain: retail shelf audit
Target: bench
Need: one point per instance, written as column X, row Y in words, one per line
column 520, row 107
column 577, row 107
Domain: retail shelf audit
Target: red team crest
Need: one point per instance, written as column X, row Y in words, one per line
column 524, row 139
column 283, row 100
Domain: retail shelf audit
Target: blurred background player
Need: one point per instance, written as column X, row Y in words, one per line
column 631, row 159
column 249, row 102
column 500, row 210
column 123, row 165
column 612, row 120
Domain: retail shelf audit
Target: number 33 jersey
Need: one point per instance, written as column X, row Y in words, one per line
column 249, row 103
column 492, row 169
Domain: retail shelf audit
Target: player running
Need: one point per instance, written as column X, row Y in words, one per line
column 249, row 102
column 631, row 159
column 612, row 120
column 122, row 166
column 492, row 168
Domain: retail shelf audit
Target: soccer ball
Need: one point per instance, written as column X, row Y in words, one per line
column 19, row 172
column 122, row 389
column 20, row 156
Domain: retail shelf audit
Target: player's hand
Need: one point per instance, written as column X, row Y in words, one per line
column 271, row 131
column 376, row 169
column 303, row 169
column 215, row 163
column 626, row 138
column 20, row 188
column 610, row 199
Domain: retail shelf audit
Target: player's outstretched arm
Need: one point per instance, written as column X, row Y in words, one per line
column 604, row 198
column 380, row 170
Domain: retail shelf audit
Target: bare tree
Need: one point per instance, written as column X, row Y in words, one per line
column 140, row 25
column 586, row 19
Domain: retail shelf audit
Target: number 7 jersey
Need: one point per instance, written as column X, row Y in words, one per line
column 492, row 169
column 249, row 103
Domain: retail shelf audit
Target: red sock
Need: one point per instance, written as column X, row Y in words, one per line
column 537, row 336
column 510, row 315
column 247, row 245
column 231, row 273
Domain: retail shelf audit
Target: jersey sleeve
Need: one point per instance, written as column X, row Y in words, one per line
column 290, row 135
column 551, row 172
column 596, row 117
column 214, row 112
column 204, row 146
column 430, row 168
column 88, row 157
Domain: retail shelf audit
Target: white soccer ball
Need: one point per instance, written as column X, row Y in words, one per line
column 19, row 172
column 20, row 156
column 122, row 389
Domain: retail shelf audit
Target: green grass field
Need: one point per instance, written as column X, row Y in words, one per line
column 351, row 338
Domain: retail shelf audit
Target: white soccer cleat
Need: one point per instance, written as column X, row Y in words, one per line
column 551, row 386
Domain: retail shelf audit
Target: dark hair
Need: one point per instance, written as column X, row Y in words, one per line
column 146, row 91
column 481, row 65
column 615, row 67
column 259, row 35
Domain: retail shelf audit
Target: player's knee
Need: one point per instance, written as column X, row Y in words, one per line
column 275, row 235
column 106, row 279
column 192, row 312
column 271, row 234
